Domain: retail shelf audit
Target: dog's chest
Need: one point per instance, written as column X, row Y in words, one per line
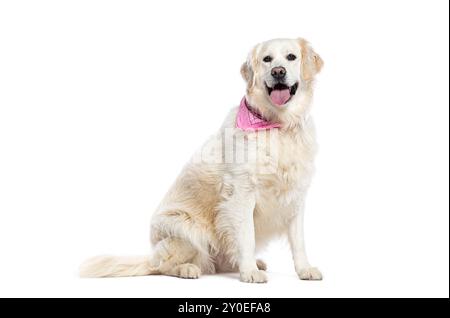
column 284, row 168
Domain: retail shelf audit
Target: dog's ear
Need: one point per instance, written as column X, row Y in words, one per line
column 247, row 72
column 248, row 68
column 312, row 63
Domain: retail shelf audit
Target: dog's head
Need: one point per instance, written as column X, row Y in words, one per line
column 279, row 75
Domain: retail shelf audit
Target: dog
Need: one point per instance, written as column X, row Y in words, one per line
column 228, row 204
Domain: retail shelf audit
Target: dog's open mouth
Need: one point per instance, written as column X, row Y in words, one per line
column 280, row 94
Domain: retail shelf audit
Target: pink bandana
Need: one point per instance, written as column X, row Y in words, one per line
column 248, row 119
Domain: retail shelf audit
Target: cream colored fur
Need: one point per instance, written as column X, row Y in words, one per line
column 224, row 206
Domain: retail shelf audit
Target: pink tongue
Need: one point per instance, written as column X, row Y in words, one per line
column 280, row 97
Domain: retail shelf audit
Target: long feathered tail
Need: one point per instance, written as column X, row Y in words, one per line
column 113, row 266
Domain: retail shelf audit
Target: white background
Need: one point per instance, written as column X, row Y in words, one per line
column 102, row 102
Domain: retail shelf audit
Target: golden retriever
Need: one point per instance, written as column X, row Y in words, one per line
column 246, row 185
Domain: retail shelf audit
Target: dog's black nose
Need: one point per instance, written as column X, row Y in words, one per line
column 278, row 72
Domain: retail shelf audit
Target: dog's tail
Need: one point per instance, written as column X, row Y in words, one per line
column 112, row 266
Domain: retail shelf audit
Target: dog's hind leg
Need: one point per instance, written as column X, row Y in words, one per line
column 186, row 270
column 177, row 257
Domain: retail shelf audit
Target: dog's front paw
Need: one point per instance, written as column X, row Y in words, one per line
column 254, row 276
column 310, row 273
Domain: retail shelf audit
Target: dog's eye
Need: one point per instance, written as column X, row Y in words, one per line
column 267, row 59
column 291, row 57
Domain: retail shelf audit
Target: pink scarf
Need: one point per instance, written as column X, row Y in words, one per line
column 248, row 119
